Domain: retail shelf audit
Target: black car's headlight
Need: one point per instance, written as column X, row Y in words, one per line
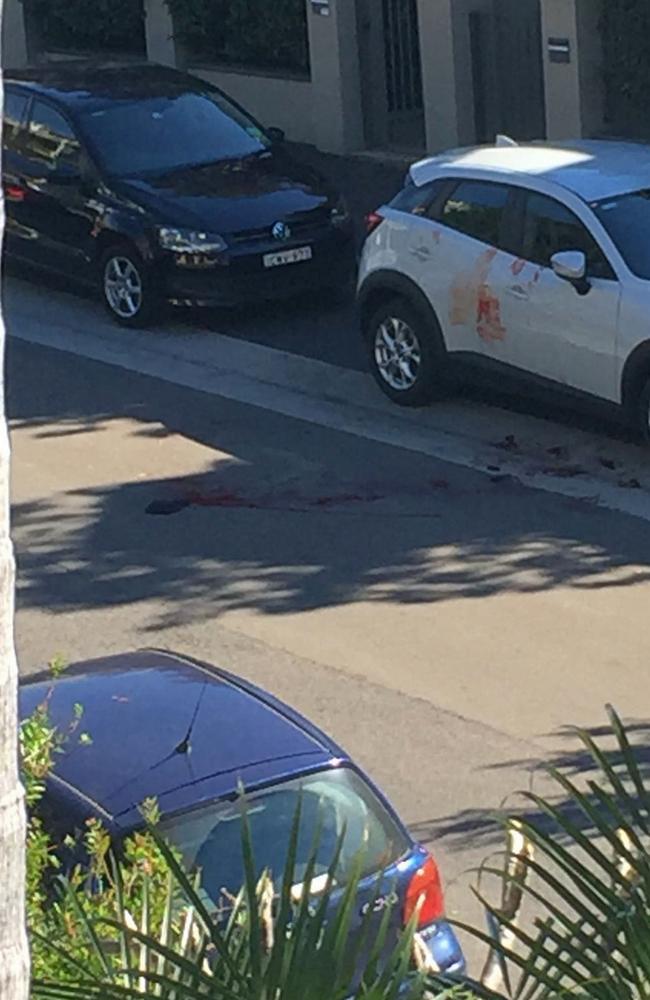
column 340, row 214
column 190, row 241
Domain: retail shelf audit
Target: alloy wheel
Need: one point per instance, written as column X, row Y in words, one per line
column 123, row 287
column 398, row 354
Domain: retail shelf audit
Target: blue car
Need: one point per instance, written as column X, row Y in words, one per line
column 191, row 735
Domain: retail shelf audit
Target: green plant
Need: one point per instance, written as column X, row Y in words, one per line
column 583, row 864
column 152, row 931
column 248, row 32
column 39, row 741
column 96, row 25
column 625, row 32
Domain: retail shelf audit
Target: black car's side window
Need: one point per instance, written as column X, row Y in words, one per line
column 15, row 105
column 550, row 227
column 51, row 139
column 478, row 209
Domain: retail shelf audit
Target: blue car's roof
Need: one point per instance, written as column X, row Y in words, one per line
column 138, row 708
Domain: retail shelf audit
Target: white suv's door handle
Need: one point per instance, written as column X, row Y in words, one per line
column 518, row 292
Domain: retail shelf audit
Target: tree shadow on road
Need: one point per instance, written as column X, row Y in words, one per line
column 481, row 828
column 287, row 517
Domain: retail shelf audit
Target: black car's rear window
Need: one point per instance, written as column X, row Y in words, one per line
column 162, row 134
column 210, row 838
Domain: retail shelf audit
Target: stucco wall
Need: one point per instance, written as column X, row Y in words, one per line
column 463, row 58
column 575, row 90
column 436, row 22
column 562, row 80
column 14, row 43
column 286, row 104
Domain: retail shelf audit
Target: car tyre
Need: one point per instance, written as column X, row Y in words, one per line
column 127, row 287
column 641, row 414
column 406, row 353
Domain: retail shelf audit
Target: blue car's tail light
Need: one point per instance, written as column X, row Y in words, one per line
column 425, row 895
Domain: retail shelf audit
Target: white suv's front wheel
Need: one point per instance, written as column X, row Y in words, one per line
column 407, row 357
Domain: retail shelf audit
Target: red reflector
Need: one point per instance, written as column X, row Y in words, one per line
column 373, row 221
column 14, row 193
column 425, row 895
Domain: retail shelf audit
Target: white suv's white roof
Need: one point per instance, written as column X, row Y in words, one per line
column 592, row 169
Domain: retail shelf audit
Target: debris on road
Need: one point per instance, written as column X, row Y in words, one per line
column 559, row 451
column 565, row 471
column 509, row 443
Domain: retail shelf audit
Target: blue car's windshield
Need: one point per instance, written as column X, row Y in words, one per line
column 210, row 838
column 163, row 134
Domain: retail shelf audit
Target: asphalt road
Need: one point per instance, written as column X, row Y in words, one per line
column 441, row 599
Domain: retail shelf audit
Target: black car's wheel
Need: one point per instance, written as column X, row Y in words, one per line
column 407, row 354
column 126, row 285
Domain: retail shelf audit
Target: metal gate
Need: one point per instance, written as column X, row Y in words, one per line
column 391, row 65
column 508, row 70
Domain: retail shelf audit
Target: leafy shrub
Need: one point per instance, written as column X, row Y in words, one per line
column 253, row 33
column 625, row 30
column 583, row 863
column 89, row 25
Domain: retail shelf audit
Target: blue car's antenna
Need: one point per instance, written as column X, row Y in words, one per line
column 185, row 745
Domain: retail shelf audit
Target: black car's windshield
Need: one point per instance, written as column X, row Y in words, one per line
column 210, row 838
column 161, row 134
column 627, row 220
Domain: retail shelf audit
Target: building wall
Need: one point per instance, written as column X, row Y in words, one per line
column 436, row 20
column 574, row 90
column 327, row 109
column 463, row 63
column 14, row 41
column 287, row 104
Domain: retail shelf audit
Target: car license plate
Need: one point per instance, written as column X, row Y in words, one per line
column 287, row 257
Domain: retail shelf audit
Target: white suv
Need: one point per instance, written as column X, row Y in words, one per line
column 531, row 260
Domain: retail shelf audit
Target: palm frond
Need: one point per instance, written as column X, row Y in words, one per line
column 587, row 882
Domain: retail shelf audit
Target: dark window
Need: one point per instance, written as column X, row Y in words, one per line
column 169, row 133
column 14, row 114
column 550, row 227
column 336, row 806
column 51, row 139
column 477, row 208
column 627, row 220
column 417, row 200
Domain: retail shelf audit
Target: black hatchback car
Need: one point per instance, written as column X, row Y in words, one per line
column 157, row 187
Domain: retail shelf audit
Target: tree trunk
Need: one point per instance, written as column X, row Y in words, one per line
column 14, row 951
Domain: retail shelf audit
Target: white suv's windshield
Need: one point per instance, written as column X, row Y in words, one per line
column 627, row 220
column 338, row 800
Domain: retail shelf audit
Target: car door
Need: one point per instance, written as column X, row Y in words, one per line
column 56, row 208
column 466, row 274
column 569, row 338
column 14, row 115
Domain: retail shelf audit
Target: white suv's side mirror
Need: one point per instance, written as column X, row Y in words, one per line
column 571, row 265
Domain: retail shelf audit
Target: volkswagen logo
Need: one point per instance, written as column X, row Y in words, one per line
column 281, row 231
